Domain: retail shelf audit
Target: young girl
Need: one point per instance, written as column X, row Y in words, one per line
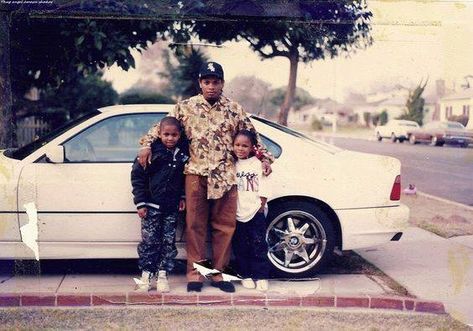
column 249, row 242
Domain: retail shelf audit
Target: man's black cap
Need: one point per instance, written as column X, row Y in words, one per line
column 211, row 69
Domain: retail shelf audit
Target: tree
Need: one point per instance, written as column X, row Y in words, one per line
column 6, row 115
column 79, row 96
column 252, row 93
column 49, row 52
column 301, row 97
column 183, row 76
column 383, row 117
column 325, row 30
column 144, row 98
column 415, row 105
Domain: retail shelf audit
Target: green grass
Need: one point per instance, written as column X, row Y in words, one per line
column 210, row 318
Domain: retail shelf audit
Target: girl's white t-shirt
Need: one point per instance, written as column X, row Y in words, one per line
column 251, row 186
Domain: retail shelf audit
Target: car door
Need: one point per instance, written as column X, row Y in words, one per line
column 88, row 197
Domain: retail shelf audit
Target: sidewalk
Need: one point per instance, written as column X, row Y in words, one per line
column 328, row 291
column 431, row 267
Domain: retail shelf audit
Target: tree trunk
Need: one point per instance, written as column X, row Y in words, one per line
column 291, row 89
column 6, row 123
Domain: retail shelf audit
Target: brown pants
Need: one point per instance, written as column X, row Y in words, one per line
column 221, row 213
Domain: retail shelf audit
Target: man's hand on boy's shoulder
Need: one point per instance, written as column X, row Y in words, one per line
column 142, row 212
column 182, row 205
column 144, row 156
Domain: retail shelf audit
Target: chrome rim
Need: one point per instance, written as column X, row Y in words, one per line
column 297, row 241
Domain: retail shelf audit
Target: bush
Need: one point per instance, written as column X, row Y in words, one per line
column 383, row 117
column 463, row 119
column 316, row 125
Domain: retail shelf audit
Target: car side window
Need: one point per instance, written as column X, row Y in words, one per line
column 272, row 147
column 114, row 139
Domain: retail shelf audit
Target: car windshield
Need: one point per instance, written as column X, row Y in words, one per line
column 327, row 147
column 26, row 150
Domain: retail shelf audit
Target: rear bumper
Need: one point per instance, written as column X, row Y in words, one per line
column 371, row 226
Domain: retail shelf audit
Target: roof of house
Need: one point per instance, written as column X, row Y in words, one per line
column 463, row 94
column 394, row 101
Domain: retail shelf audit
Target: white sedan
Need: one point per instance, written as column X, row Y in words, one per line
column 77, row 180
column 395, row 130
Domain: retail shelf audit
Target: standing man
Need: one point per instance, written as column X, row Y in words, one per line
column 210, row 121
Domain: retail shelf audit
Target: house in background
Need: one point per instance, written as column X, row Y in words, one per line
column 458, row 103
column 392, row 100
column 324, row 110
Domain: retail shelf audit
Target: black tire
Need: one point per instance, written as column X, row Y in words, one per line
column 393, row 138
column 401, row 140
column 378, row 136
column 312, row 232
column 464, row 145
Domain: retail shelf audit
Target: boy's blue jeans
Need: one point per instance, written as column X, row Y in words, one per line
column 250, row 248
column 157, row 248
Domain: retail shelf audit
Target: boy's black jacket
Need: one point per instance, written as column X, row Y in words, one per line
column 162, row 182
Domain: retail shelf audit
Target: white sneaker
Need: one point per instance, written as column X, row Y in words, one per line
column 144, row 283
column 262, row 285
column 162, row 284
column 248, row 283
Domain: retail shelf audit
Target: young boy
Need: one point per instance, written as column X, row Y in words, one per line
column 158, row 192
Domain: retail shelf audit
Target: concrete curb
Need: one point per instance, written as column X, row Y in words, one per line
column 231, row 300
column 450, row 202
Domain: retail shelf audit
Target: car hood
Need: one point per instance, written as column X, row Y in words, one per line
column 8, row 182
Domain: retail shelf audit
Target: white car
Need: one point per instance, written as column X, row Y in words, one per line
column 395, row 130
column 78, row 180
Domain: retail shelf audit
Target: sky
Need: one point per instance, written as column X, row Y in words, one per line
column 413, row 41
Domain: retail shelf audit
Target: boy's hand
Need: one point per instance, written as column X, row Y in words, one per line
column 263, row 204
column 182, row 205
column 266, row 167
column 144, row 157
column 142, row 212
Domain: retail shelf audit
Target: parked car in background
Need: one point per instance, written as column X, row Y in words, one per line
column 78, row 179
column 438, row 133
column 395, row 130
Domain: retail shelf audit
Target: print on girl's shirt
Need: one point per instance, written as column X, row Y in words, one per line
column 248, row 181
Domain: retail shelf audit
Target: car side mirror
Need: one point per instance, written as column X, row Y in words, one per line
column 55, row 154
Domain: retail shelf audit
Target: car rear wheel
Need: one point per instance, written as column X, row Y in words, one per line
column 393, row 138
column 378, row 136
column 434, row 141
column 412, row 139
column 464, row 145
column 301, row 238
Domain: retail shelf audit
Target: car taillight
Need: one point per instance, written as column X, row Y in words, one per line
column 396, row 190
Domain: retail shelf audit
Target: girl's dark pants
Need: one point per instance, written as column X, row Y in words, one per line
column 250, row 248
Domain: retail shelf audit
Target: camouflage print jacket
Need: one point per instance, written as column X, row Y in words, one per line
column 210, row 130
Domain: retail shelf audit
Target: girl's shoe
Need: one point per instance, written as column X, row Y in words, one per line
column 248, row 283
column 162, row 284
column 144, row 283
column 262, row 285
